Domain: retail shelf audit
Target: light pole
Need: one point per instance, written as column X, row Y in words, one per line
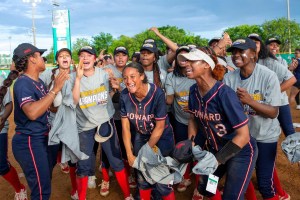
column 288, row 16
column 33, row 5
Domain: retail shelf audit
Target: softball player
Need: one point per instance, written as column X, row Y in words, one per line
column 259, row 90
column 218, row 113
column 32, row 101
column 7, row 171
column 273, row 44
column 143, row 107
column 120, row 60
column 286, row 80
column 95, row 111
column 63, row 58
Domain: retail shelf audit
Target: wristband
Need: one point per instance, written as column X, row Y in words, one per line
column 228, row 151
column 52, row 92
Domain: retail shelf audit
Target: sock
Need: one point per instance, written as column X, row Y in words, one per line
column 145, row 194
column 12, row 177
column 123, row 182
column 217, row 196
column 250, row 192
column 187, row 172
column 170, row 196
column 58, row 158
column 277, row 184
column 73, row 179
column 82, row 183
column 105, row 174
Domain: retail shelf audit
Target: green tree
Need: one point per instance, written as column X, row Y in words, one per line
column 50, row 57
column 80, row 42
column 279, row 28
column 102, row 41
column 243, row 31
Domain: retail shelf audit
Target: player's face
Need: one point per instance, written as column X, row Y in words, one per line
column 297, row 54
column 182, row 63
column 241, row 57
column 64, row 60
column 39, row 61
column 132, row 79
column 274, row 48
column 195, row 69
column 87, row 59
column 121, row 59
column 147, row 58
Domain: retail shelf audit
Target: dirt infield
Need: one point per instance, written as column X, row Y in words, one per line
column 61, row 186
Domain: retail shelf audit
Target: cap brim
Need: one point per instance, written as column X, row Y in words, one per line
column 230, row 49
column 187, row 56
column 148, row 49
column 88, row 51
column 123, row 51
column 42, row 51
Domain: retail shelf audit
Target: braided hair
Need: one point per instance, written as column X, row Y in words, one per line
column 21, row 66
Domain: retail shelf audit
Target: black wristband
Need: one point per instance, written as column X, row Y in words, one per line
column 228, row 151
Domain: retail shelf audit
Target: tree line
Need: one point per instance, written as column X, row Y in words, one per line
column 278, row 28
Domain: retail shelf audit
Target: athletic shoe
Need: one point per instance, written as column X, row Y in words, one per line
column 64, row 167
column 131, row 181
column 92, row 182
column 183, row 185
column 298, row 107
column 22, row 195
column 104, row 190
column 74, row 196
column 197, row 195
column 129, row 198
column 285, row 197
column 296, row 125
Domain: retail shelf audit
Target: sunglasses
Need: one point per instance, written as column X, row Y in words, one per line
column 106, row 57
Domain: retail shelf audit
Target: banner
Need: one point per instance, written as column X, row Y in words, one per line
column 61, row 30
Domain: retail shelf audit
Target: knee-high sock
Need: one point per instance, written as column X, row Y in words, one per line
column 105, row 174
column 277, row 184
column 250, row 192
column 12, row 177
column 73, row 179
column 58, row 158
column 145, row 194
column 123, row 182
column 170, row 196
column 82, row 183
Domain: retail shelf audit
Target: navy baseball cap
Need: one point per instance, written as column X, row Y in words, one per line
column 120, row 49
column 25, row 49
column 150, row 47
column 61, row 50
column 183, row 151
column 255, row 36
column 88, row 49
column 243, row 44
column 214, row 39
column 270, row 40
column 150, row 41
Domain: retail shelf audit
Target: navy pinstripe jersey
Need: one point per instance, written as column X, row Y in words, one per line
column 143, row 114
column 217, row 114
column 27, row 90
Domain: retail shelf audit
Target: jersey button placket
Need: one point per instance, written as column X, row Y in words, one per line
column 140, row 113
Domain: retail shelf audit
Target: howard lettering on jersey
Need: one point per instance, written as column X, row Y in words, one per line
column 98, row 96
column 207, row 116
column 140, row 117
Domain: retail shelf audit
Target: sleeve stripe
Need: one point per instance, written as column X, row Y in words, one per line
column 27, row 101
column 161, row 118
column 124, row 116
column 241, row 124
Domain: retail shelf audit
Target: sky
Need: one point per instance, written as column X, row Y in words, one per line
column 207, row 18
